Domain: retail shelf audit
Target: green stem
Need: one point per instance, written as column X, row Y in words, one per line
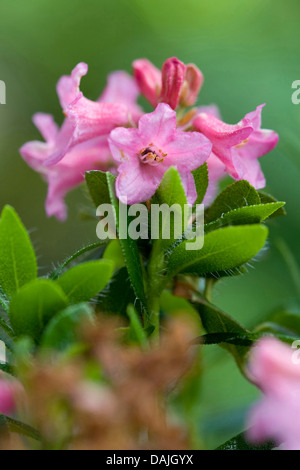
column 155, row 283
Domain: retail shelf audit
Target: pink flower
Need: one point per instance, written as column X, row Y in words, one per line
column 81, row 143
column 277, row 415
column 216, row 172
column 148, row 79
column 7, row 400
column 88, row 119
column 177, row 83
column 122, row 88
column 239, row 146
column 69, row 172
column 144, row 154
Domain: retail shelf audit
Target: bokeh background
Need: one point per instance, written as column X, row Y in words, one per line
column 249, row 53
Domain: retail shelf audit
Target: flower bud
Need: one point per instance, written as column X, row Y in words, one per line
column 192, row 85
column 173, row 76
column 148, row 79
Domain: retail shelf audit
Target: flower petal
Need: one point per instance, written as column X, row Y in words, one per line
column 158, row 126
column 68, row 85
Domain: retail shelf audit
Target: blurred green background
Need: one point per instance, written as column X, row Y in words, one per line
column 248, row 51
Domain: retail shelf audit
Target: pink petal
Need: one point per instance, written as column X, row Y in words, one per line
column 188, row 149
column 46, row 125
column 173, row 75
column 189, row 187
column 68, row 85
column 124, row 143
column 158, row 126
column 122, row 88
column 193, row 83
column 148, row 79
column 92, row 119
column 222, row 135
column 7, row 400
column 216, row 171
column 137, row 182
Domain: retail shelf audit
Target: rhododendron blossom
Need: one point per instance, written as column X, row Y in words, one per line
column 81, row 143
column 239, row 146
column 144, row 154
column 277, row 416
column 67, row 173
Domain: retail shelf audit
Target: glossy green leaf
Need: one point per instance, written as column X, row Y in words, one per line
column 215, row 321
column 114, row 253
column 236, row 195
column 62, row 330
column 239, row 442
column 84, row 281
column 224, row 249
column 97, row 184
column 229, row 338
column 34, row 305
column 57, row 272
column 245, row 215
column 201, row 182
column 129, row 249
column 267, row 199
column 171, row 193
column 136, row 330
column 17, row 258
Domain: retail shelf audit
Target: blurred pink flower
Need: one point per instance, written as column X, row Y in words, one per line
column 143, row 155
column 69, row 172
column 81, row 143
column 88, row 119
column 239, row 146
column 175, row 84
column 7, row 400
column 277, row 415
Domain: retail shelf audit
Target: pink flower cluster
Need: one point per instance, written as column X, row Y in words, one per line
column 114, row 134
column 275, row 369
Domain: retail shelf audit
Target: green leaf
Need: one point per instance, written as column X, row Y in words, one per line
column 267, row 199
column 97, row 184
column 201, row 182
column 236, row 195
column 57, row 272
column 129, row 249
column 245, row 215
column 17, row 258
column 84, row 281
column 12, row 425
column 239, row 443
column 215, row 321
column 229, row 338
column 114, row 253
column 34, row 305
column 169, row 192
column 224, row 249
column 62, row 330
column 4, row 301
column 136, row 329
column 115, row 297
